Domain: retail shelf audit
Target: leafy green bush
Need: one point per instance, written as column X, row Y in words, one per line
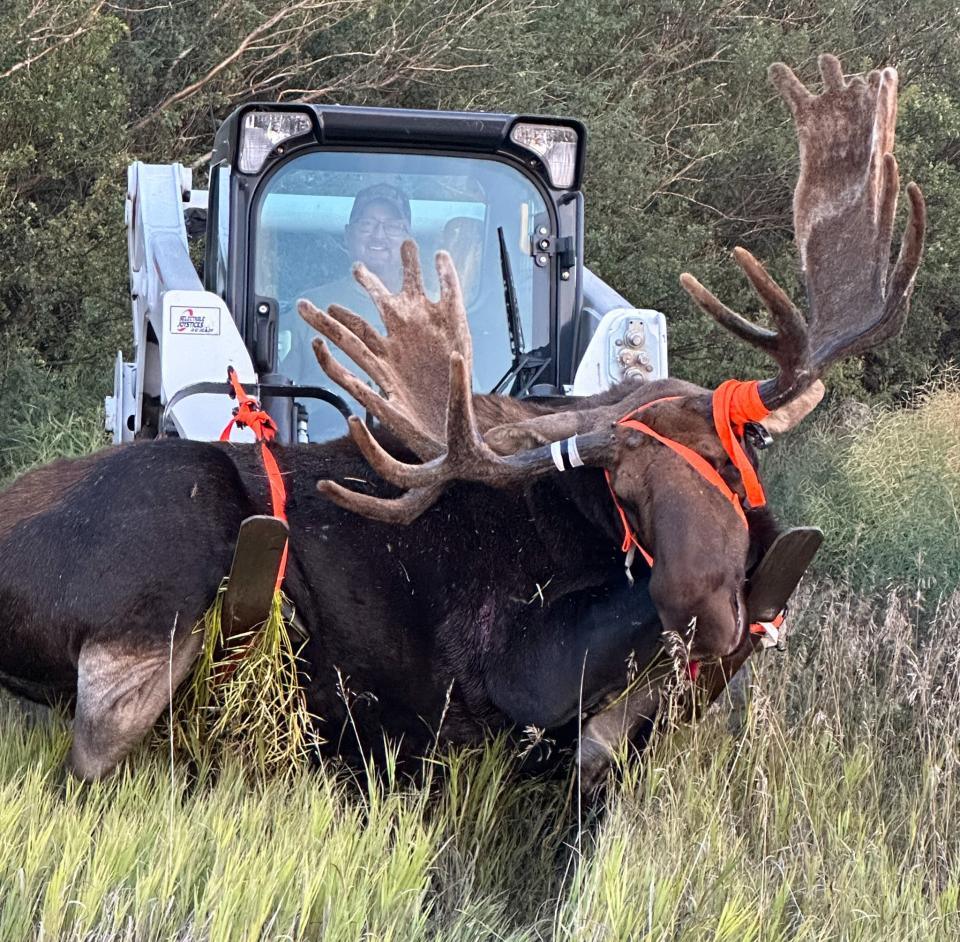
column 690, row 151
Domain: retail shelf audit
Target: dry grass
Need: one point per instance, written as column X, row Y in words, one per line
column 245, row 698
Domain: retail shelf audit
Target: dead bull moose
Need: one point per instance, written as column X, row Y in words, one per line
column 470, row 585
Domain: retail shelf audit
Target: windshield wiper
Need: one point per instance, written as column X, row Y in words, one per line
column 514, row 326
column 527, row 365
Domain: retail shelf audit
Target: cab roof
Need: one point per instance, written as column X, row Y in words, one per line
column 474, row 132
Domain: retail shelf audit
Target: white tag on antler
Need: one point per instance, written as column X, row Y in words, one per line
column 565, row 454
column 556, row 454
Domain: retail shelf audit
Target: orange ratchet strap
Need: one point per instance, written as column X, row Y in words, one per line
column 734, row 405
column 248, row 414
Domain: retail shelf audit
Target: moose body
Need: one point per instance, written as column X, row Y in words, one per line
column 448, row 577
column 446, row 629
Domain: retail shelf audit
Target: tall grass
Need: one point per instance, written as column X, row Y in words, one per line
column 245, row 697
column 34, row 435
column 827, row 811
column 885, row 486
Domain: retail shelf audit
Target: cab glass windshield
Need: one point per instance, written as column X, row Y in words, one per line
column 322, row 212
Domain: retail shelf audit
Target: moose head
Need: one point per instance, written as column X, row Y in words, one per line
column 682, row 481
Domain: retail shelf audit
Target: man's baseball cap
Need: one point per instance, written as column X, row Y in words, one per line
column 381, row 193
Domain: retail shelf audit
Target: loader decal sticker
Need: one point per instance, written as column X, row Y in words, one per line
column 195, row 320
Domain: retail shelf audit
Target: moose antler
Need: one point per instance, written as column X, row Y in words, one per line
column 843, row 207
column 467, row 458
column 433, row 415
column 409, row 364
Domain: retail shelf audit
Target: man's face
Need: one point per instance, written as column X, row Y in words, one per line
column 374, row 238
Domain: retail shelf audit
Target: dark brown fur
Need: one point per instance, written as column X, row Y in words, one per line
column 504, row 601
column 454, row 625
column 41, row 490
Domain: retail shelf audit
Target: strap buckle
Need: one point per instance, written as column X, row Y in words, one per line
column 757, row 435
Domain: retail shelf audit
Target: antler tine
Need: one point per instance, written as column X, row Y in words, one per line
column 401, row 510
column 900, row 282
column 467, row 457
column 788, row 345
column 791, row 326
column 345, row 333
column 709, row 303
column 792, row 348
column 392, row 416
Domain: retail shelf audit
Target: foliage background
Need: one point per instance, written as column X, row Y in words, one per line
column 690, row 151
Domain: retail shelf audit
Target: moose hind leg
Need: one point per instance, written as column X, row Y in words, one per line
column 121, row 692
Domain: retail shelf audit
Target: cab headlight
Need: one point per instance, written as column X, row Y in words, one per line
column 554, row 144
column 262, row 131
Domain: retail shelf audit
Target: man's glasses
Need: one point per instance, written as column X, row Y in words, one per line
column 393, row 230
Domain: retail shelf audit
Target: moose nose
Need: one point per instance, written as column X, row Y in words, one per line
column 710, row 626
column 721, row 627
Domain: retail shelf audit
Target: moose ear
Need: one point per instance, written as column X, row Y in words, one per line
column 510, row 438
column 789, row 416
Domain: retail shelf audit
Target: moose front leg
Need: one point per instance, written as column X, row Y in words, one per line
column 568, row 657
column 634, row 710
column 628, row 715
column 605, row 733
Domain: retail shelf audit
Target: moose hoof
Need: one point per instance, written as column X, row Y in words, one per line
column 594, row 759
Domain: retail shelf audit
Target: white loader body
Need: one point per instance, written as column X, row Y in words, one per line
column 185, row 335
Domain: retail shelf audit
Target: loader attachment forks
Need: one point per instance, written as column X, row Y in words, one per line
column 779, row 572
column 253, row 574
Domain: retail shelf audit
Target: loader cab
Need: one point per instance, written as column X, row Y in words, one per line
column 300, row 193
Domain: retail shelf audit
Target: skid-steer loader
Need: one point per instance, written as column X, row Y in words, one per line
column 500, row 192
